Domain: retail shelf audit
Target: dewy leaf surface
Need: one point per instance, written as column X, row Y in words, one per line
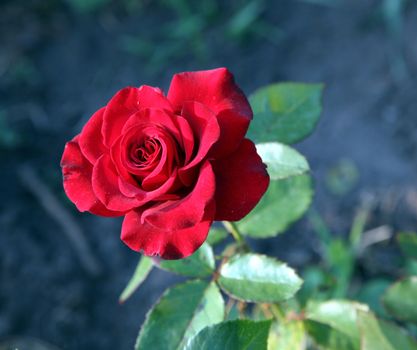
column 182, row 312
column 282, row 160
column 285, row 112
column 233, row 335
column 258, row 278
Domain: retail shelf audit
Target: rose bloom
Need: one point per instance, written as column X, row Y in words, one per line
column 170, row 165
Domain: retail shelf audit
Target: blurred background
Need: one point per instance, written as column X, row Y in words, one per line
column 61, row 272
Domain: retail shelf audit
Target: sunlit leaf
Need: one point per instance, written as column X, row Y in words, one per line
column 284, row 202
column 233, row 335
column 182, row 312
column 288, row 335
column 381, row 335
column 282, row 160
column 258, row 278
column 285, row 112
column 340, row 315
column 328, row 338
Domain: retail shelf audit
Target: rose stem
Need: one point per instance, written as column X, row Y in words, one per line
column 232, row 228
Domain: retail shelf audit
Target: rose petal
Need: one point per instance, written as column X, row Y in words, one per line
column 162, row 193
column 168, row 244
column 90, row 139
column 156, row 117
column 207, row 132
column 106, row 186
column 130, row 187
column 176, row 125
column 217, row 90
column 241, row 180
column 168, row 162
column 153, row 176
column 125, row 103
column 233, row 129
column 188, row 211
column 77, row 170
column 187, row 138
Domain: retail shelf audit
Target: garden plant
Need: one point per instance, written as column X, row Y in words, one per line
column 198, row 174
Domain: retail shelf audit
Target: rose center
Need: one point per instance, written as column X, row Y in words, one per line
column 142, row 155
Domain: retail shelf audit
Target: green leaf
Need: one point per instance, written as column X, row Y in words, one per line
column 182, row 312
column 282, row 160
column 316, row 284
column 408, row 244
column 340, row 258
column 371, row 293
column 380, row 335
column 216, row 235
column 329, row 338
column 284, row 202
column 142, row 271
column 341, row 315
column 236, row 335
column 401, row 299
column 288, row 335
column 285, row 112
column 258, row 278
column 200, row 264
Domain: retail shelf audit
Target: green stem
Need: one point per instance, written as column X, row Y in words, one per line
column 278, row 313
column 231, row 227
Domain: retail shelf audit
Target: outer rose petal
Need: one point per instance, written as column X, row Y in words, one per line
column 174, row 244
column 125, row 103
column 241, row 180
column 90, row 139
column 106, row 186
column 76, row 170
column 188, row 211
column 217, row 90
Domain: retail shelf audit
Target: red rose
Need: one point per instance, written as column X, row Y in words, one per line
column 171, row 164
